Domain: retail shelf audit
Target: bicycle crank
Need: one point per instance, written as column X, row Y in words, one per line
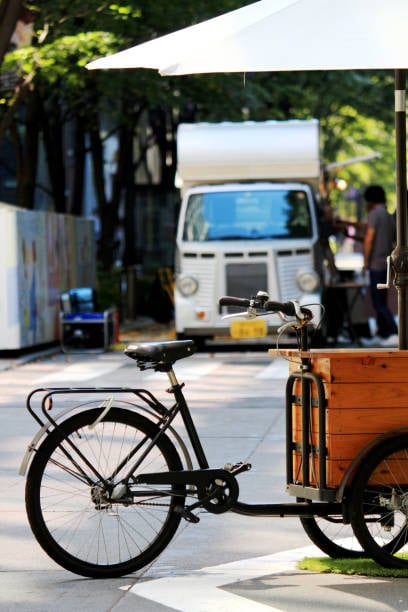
column 217, row 489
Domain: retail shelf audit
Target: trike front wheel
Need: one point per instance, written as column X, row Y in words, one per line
column 379, row 511
column 78, row 516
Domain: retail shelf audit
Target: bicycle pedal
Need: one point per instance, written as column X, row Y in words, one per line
column 186, row 514
column 237, row 468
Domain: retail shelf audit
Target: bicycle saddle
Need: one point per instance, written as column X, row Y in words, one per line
column 160, row 352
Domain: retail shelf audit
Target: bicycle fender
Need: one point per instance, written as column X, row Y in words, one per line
column 360, row 458
column 33, row 444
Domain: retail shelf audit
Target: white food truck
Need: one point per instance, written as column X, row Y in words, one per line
column 248, row 222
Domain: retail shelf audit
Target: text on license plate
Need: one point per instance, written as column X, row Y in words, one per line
column 248, row 329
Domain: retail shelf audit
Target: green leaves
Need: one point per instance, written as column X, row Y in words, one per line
column 124, row 12
column 355, row 109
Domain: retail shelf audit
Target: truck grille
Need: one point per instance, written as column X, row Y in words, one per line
column 289, row 264
column 246, row 279
column 203, row 266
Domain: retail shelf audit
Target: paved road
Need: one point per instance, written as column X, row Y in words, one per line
column 226, row 562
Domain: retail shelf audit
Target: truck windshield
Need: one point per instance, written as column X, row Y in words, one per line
column 247, row 215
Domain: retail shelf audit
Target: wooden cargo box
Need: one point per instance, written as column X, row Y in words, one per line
column 366, row 396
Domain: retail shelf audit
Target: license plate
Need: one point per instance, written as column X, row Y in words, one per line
column 248, row 329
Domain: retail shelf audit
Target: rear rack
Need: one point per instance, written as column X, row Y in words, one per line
column 96, row 394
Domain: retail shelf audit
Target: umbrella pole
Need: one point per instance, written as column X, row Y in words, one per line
column 399, row 257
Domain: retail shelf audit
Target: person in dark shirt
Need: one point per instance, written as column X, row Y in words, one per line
column 378, row 243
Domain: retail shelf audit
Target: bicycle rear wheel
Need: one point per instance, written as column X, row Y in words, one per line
column 379, row 511
column 68, row 500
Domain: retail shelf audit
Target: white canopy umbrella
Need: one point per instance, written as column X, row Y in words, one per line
column 276, row 35
column 170, row 49
column 290, row 35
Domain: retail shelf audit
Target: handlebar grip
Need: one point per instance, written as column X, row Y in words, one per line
column 234, row 301
column 287, row 308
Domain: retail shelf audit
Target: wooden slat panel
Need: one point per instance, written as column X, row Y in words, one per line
column 355, row 365
column 340, row 447
column 355, row 420
column 335, row 471
column 363, row 395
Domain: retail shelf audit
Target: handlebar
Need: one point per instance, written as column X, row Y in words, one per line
column 234, row 301
column 291, row 309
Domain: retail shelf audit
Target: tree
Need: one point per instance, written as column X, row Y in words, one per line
column 63, row 92
column 141, row 107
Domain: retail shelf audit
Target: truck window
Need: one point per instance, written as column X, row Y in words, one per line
column 246, row 215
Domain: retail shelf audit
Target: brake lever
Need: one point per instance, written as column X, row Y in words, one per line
column 285, row 326
column 294, row 322
column 249, row 314
column 298, row 310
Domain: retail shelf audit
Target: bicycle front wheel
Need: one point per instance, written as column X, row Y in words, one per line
column 379, row 511
column 332, row 536
column 70, row 506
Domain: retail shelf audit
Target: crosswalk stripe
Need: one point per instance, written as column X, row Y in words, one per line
column 79, row 372
column 204, row 586
column 190, row 370
column 276, row 369
column 185, row 370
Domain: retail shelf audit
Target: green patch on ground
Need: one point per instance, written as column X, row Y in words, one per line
column 358, row 567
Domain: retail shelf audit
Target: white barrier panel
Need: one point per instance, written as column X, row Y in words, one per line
column 42, row 254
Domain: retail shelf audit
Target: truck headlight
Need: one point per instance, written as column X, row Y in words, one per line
column 307, row 281
column 187, row 285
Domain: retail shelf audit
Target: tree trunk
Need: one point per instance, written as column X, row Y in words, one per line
column 76, row 207
column 107, row 215
column 26, row 152
column 10, row 11
column 54, row 146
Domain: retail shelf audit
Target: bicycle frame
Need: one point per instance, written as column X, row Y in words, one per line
column 201, row 476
